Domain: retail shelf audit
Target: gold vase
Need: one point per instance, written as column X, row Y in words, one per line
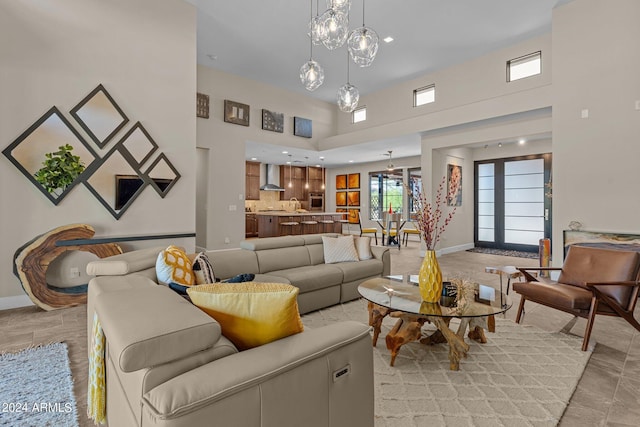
column 430, row 278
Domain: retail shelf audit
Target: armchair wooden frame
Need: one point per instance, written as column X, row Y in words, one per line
column 599, row 301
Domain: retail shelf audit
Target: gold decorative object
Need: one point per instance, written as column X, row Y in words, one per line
column 430, row 278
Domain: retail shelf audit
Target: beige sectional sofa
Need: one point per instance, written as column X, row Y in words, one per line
column 167, row 363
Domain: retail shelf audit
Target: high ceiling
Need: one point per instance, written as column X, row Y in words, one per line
column 266, row 41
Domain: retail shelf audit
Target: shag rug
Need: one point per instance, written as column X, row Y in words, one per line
column 36, row 388
column 523, row 376
column 503, row 252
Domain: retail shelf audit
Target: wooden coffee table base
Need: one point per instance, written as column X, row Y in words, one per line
column 408, row 328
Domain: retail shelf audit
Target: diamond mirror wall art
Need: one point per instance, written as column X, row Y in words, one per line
column 162, row 175
column 139, row 144
column 52, row 155
column 99, row 115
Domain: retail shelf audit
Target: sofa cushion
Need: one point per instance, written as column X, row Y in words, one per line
column 339, row 249
column 251, row 314
column 125, row 263
column 272, row 243
column 233, row 262
column 282, row 258
column 359, row 270
column 203, row 270
column 173, row 265
column 363, row 247
column 140, row 332
column 312, row 277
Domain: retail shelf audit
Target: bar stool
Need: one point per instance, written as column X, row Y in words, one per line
column 342, row 221
column 309, row 226
column 288, row 228
column 328, row 225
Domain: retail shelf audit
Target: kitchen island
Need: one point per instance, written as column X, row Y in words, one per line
column 270, row 223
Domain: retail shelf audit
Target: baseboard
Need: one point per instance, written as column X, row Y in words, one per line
column 451, row 249
column 18, row 301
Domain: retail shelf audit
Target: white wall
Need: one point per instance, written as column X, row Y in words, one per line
column 226, row 142
column 55, row 53
column 595, row 160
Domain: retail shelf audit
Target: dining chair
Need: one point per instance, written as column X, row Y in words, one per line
column 367, row 230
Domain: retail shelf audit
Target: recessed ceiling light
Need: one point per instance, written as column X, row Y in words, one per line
column 254, row 158
column 350, row 161
column 521, row 141
column 285, row 152
column 500, row 144
column 388, row 39
column 321, row 157
column 288, row 163
column 317, row 166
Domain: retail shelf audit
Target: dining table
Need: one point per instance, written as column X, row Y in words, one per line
column 389, row 222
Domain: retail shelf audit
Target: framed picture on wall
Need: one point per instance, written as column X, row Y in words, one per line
column 354, row 180
column 272, row 121
column 454, row 185
column 302, row 127
column 236, row 113
column 341, row 198
column 354, row 216
column 353, row 198
column 341, row 182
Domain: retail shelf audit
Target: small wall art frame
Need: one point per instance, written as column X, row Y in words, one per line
column 353, row 198
column 341, row 182
column 353, row 180
column 272, row 121
column 202, row 105
column 341, row 198
column 236, row 113
column 302, row 127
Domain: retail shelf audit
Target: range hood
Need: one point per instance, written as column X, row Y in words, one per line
column 272, row 179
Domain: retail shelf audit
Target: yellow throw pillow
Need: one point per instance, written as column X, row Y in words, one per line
column 173, row 265
column 250, row 313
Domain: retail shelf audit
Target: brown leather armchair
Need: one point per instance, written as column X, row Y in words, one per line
column 592, row 281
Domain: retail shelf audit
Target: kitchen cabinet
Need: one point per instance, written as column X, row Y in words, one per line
column 251, row 225
column 252, row 181
column 315, row 180
column 297, row 176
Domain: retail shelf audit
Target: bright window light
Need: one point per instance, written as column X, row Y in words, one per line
column 525, row 66
column 359, row 114
column 424, row 95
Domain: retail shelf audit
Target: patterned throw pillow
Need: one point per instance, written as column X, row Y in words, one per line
column 173, row 265
column 363, row 246
column 250, row 314
column 339, row 249
column 203, row 270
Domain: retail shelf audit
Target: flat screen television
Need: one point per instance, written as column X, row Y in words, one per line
column 128, row 185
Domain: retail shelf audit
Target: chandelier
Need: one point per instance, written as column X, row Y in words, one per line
column 331, row 29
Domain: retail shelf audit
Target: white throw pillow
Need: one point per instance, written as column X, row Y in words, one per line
column 339, row 249
column 363, row 246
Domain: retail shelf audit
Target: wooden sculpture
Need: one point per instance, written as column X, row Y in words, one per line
column 32, row 261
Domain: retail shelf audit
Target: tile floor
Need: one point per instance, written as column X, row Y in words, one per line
column 608, row 393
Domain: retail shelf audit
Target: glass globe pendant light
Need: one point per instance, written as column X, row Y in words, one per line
column 363, row 44
column 311, row 73
column 317, row 31
column 348, row 95
column 339, row 5
column 336, row 27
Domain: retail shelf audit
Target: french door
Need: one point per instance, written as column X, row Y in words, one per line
column 513, row 202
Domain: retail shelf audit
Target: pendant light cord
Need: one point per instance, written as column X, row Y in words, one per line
column 363, row 13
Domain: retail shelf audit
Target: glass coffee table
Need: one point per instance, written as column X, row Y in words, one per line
column 399, row 297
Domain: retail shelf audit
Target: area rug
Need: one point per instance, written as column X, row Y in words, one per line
column 503, row 252
column 36, row 388
column 523, row 376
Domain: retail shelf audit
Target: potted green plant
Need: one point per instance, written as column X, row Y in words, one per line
column 59, row 170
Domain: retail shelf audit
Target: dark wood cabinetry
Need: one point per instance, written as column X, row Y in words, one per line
column 298, row 179
column 251, row 225
column 252, row 183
